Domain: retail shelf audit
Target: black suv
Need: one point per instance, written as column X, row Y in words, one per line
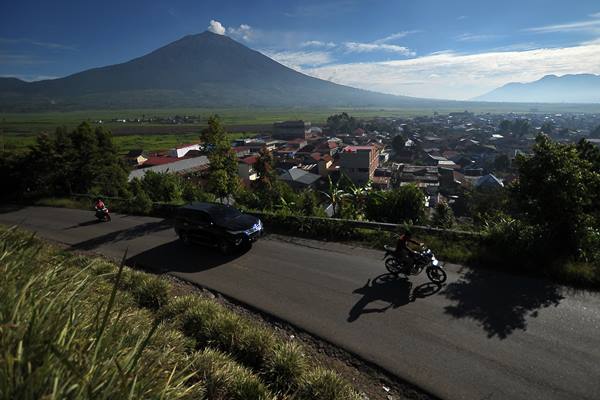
column 216, row 225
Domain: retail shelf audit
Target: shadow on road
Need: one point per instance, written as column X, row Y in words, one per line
column 178, row 257
column 82, row 224
column 124, row 234
column 501, row 303
column 391, row 289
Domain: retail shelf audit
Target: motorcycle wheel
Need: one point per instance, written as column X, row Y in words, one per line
column 392, row 265
column 437, row 275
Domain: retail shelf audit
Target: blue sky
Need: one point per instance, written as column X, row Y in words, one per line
column 426, row 48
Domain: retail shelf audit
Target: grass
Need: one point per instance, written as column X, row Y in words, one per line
column 72, row 326
column 65, row 202
column 11, row 142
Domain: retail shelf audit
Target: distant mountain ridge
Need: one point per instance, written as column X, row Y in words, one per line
column 577, row 88
column 203, row 70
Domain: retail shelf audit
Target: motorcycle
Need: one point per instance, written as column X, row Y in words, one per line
column 103, row 214
column 423, row 259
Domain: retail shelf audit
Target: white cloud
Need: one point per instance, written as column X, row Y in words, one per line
column 595, row 15
column 48, row 45
column 462, row 76
column 355, row 47
column 216, row 27
column 317, row 43
column 243, row 32
column 592, row 26
column 395, row 36
column 299, row 59
column 469, row 37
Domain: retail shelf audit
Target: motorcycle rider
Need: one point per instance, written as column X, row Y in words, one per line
column 403, row 251
column 101, row 210
column 99, row 204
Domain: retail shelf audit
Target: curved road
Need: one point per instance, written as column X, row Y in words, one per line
column 483, row 335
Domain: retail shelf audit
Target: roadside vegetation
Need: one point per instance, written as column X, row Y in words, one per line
column 546, row 223
column 72, row 326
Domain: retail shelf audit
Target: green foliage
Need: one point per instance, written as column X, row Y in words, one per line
column 308, row 204
column 444, row 216
column 150, row 292
column 285, row 367
column 192, row 192
column 67, row 334
column 342, row 123
column 501, row 163
column 322, row 384
column 483, row 205
column 558, row 191
column 225, row 379
column 406, row 204
column 519, row 127
column 335, row 195
column 162, row 186
column 139, row 202
column 398, row 143
column 81, row 161
column 223, row 178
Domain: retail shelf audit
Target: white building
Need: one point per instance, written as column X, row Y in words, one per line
column 182, row 151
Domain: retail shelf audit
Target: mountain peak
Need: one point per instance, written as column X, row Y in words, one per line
column 570, row 88
column 199, row 70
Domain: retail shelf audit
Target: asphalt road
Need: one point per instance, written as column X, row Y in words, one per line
column 483, row 335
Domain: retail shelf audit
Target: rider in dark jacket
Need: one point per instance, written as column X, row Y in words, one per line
column 402, row 246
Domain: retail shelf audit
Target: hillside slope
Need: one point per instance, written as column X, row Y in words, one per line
column 206, row 69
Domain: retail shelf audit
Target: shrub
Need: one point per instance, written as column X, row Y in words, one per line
column 406, row 204
column 323, row 384
column 150, row 291
column 285, row 367
column 223, row 378
column 139, row 202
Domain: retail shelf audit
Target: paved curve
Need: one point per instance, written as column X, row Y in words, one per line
column 483, row 335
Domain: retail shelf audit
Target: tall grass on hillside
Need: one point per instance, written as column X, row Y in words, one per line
column 76, row 327
column 65, row 333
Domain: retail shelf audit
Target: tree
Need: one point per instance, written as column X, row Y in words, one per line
column 398, row 143
column 223, row 178
column 264, row 168
column 558, row 191
column 342, row 123
column 82, row 161
column 110, row 177
column 403, row 205
column 547, row 127
column 443, row 217
column 162, row 186
column 521, row 127
column 502, row 163
column 505, row 126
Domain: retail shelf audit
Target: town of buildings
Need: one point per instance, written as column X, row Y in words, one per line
column 444, row 155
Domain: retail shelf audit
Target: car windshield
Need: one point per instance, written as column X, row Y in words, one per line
column 222, row 214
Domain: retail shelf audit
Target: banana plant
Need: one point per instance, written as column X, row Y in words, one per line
column 335, row 195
